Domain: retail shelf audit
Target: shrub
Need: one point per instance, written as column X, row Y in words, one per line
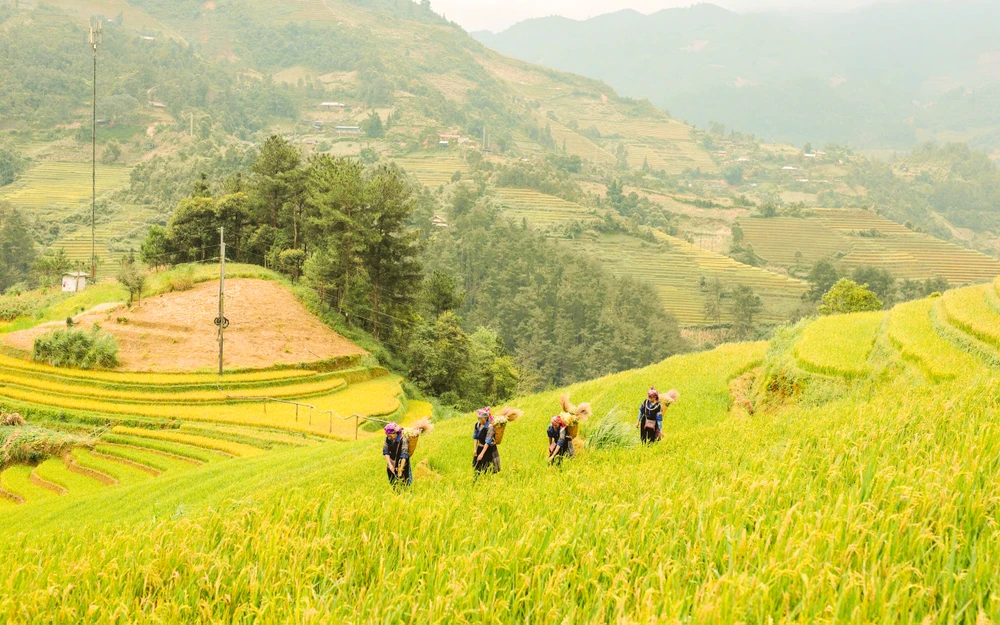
column 848, row 296
column 84, row 349
column 183, row 279
column 612, row 433
column 31, row 445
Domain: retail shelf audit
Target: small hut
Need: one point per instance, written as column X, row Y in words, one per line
column 74, row 281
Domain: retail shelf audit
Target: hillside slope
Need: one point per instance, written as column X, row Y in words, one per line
column 838, row 480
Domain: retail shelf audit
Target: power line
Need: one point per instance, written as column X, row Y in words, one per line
column 96, row 38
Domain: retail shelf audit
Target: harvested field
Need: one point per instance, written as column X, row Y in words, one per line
column 175, row 331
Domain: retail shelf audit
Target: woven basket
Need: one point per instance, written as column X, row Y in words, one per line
column 412, row 444
column 498, row 431
column 573, row 430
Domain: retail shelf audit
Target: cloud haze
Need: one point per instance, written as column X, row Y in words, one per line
column 496, row 15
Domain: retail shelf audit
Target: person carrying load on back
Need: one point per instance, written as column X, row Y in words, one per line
column 396, row 450
column 651, row 418
column 560, row 442
column 486, row 456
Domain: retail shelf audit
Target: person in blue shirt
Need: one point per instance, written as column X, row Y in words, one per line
column 560, row 442
column 396, row 451
column 486, row 456
column 651, row 418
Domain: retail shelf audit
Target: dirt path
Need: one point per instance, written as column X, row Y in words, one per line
column 176, row 331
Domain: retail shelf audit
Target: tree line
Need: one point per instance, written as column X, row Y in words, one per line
column 473, row 312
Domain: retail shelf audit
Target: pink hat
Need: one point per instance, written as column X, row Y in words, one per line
column 484, row 413
column 653, row 394
column 392, row 428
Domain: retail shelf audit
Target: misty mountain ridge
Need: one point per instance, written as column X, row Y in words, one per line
column 885, row 76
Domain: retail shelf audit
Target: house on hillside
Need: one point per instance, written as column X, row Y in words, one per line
column 330, row 106
column 348, row 130
column 74, row 281
column 438, row 222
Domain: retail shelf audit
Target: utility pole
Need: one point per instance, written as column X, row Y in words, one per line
column 221, row 320
column 96, row 37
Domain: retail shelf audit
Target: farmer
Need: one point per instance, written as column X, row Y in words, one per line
column 486, row 457
column 560, row 442
column 651, row 418
column 396, row 450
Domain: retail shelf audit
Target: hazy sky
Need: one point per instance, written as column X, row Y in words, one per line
column 497, row 15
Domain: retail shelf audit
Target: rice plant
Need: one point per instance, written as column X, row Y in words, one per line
column 611, row 432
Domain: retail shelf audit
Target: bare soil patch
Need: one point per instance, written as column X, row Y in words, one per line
column 176, row 331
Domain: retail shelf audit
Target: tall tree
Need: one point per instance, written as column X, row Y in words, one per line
column 277, row 158
column 390, row 250
column 194, row 228
column 17, row 247
column 335, row 197
column 745, row 306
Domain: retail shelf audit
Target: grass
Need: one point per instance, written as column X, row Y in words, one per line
column 159, row 461
column 213, row 444
column 17, row 480
column 911, row 331
column 968, row 310
column 192, row 452
column 124, row 474
column 874, row 503
column 839, row 345
column 55, row 471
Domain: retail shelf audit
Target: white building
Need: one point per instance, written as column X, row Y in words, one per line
column 74, row 281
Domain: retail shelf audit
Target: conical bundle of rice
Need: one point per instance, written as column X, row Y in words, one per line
column 670, row 397
column 573, row 415
column 414, row 432
column 501, row 419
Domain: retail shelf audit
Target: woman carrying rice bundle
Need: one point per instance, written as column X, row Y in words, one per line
column 486, row 456
column 396, row 451
column 651, row 415
column 560, row 442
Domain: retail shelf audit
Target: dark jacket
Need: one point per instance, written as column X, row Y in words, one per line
column 653, row 411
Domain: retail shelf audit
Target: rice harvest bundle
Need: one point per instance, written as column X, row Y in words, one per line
column 573, row 415
column 11, row 419
column 413, row 433
column 501, row 419
column 670, row 397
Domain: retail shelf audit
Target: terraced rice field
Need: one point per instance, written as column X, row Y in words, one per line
column 778, row 240
column 53, row 191
column 576, row 144
column 832, row 233
column 326, row 401
column 53, row 187
column 676, row 269
column 145, row 425
column 541, row 210
column 911, row 331
column 433, row 169
column 970, row 311
column 839, row 345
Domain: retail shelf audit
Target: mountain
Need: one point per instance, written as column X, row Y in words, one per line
column 189, row 90
column 881, row 76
